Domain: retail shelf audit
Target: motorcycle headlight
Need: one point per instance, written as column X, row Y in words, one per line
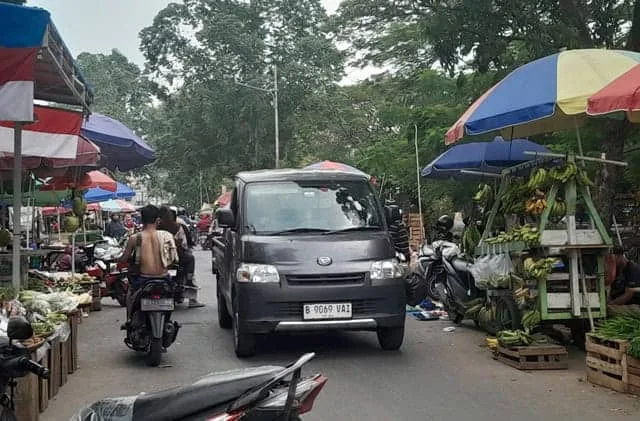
column 248, row 272
column 385, row 269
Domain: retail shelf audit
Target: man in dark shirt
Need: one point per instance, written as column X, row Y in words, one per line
column 627, row 278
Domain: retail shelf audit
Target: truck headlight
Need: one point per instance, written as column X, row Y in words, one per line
column 248, row 272
column 386, row 269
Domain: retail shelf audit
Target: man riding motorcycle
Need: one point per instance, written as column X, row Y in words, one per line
column 170, row 223
column 149, row 255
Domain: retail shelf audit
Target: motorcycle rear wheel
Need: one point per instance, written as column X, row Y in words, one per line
column 155, row 352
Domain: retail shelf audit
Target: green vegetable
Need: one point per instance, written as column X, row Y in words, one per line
column 624, row 328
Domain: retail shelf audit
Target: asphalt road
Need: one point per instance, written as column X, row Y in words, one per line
column 436, row 376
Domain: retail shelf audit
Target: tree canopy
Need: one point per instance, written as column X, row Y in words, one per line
column 437, row 58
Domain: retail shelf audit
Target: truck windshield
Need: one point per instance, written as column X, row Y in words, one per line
column 279, row 208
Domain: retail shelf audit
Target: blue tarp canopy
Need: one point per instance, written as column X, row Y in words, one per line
column 120, row 147
column 99, row 195
column 485, row 157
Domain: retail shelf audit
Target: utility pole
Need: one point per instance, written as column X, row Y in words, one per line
column 201, row 198
column 274, row 94
column 415, row 142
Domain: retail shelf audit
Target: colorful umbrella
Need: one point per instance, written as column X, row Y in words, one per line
column 121, row 148
column 620, row 98
column 87, row 181
column 336, row 166
column 117, row 206
column 100, row 195
column 485, row 157
column 546, row 95
column 87, row 154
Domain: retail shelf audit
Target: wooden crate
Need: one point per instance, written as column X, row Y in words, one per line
column 74, row 320
column 26, row 397
column 43, row 393
column 543, row 357
column 54, row 368
column 65, row 350
column 608, row 365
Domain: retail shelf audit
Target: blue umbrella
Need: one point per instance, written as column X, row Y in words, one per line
column 486, row 157
column 120, row 147
column 99, row 195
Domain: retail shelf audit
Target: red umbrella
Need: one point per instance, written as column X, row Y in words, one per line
column 87, row 181
column 620, row 96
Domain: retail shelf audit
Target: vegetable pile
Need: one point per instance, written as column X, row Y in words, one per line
column 624, row 328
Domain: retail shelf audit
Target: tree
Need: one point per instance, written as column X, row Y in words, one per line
column 120, row 89
column 197, row 49
column 493, row 37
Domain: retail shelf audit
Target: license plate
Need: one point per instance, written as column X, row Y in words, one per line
column 162, row 304
column 323, row 311
column 173, row 272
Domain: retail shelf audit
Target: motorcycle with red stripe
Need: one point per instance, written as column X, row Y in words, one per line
column 267, row 393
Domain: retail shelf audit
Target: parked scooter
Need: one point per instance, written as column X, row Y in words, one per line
column 112, row 275
column 15, row 362
column 450, row 281
column 151, row 329
column 268, row 393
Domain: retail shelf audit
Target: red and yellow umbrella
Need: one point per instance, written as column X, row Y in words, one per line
column 619, row 98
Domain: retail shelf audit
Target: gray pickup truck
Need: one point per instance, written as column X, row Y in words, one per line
column 307, row 250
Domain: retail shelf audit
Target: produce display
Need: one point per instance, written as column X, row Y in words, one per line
column 513, row 257
column 623, row 327
column 511, row 338
column 5, row 237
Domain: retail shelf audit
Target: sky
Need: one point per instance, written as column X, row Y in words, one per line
column 98, row 26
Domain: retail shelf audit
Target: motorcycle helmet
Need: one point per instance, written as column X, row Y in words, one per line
column 445, row 223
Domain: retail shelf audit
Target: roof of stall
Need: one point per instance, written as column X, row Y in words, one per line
column 57, row 77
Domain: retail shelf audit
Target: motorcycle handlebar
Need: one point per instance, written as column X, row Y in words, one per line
column 34, row 367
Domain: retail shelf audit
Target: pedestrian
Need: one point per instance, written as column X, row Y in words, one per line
column 114, row 228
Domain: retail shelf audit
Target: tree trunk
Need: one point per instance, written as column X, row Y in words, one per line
column 607, row 178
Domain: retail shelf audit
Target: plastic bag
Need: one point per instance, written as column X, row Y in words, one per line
column 416, row 289
column 492, row 271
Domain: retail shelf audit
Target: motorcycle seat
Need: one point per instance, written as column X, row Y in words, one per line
column 206, row 394
column 460, row 265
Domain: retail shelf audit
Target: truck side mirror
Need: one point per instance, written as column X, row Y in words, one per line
column 226, row 219
column 392, row 214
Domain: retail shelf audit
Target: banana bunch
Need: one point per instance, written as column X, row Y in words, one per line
column 559, row 209
column 473, row 308
column 521, row 295
column 535, row 206
column 492, row 343
column 538, row 269
column 565, row 173
column 509, row 338
column 539, row 179
column 486, row 315
column 525, row 233
column 530, row 319
column 470, row 239
column 484, row 194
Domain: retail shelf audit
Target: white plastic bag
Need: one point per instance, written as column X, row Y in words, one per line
column 492, row 271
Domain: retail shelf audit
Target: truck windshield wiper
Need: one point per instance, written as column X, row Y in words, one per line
column 298, row 230
column 365, row 228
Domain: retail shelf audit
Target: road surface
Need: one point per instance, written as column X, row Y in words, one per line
column 436, row 376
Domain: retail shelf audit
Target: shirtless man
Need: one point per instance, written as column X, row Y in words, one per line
column 157, row 253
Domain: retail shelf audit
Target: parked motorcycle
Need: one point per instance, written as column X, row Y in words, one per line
column 112, row 275
column 151, row 329
column 450, row 281
column 268, row 393
column 15, row 363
